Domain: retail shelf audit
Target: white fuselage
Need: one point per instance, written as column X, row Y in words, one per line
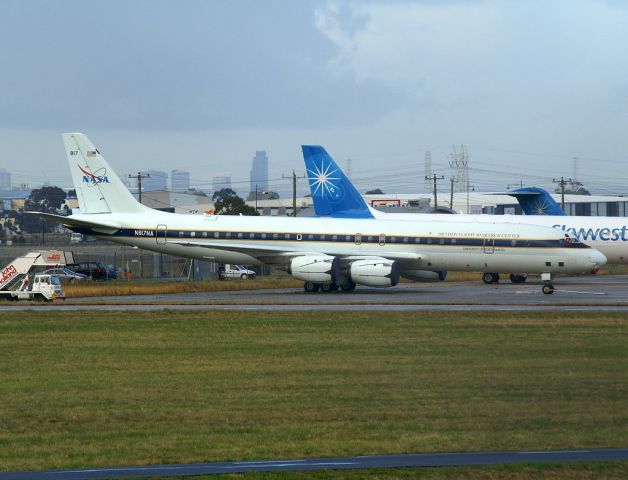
column 426, row 245
column 609, row 235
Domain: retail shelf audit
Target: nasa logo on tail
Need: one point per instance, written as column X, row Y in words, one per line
column 324, row 183
column 94, row 178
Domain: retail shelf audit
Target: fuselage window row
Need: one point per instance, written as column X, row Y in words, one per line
column 357, row 239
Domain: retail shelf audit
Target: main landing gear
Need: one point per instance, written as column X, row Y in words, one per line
column 490, row 277
column 345, row 286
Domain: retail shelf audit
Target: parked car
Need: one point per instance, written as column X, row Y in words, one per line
column 66, row 275
column 228, row 271
column 95, row 270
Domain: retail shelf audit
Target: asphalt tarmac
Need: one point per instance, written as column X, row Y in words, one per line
column 375, row 461
column 585, row 293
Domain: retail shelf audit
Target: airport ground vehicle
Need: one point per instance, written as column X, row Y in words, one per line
column 66, row 275
column 44, row 287
column 95, row 270
column 16, row 282
column 228, row 271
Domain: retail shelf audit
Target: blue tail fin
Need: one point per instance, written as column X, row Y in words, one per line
column 332, row 192
column 536, row 201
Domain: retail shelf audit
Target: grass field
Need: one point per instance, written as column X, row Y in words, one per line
column 151, row 287
column 102, row 389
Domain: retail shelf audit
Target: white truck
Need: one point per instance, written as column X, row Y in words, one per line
column 229, row 271
column 15, row 281
column 44, row 288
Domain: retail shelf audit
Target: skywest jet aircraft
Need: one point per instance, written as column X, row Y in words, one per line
column 324, row 253
column 609, row 235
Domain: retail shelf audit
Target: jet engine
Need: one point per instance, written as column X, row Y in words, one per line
column 375, row 272
column 425, row 276
column 316, row 268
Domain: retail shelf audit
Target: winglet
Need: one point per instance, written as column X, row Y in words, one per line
column 333, row 193
column 536, row 201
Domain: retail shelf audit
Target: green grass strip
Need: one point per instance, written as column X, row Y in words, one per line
column 122, row 388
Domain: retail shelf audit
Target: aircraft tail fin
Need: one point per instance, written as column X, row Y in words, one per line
column 98, row 188
column 536, row 201
column 333, row 193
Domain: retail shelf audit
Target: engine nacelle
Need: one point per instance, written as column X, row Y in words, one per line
column 316, row 268
column 425, row 276
column 375, row 272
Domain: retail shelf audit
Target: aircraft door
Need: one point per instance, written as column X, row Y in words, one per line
column 160, row 234
column 489, row 245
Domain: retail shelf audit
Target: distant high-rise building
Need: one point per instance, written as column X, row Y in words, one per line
column 5, row 180
column 180, row 181
column 156, row 180
column 221, row 181
column 259, row 172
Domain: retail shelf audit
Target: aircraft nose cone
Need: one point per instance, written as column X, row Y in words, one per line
column 598, row 258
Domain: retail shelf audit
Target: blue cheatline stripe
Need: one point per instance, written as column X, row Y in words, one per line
column 336, row 238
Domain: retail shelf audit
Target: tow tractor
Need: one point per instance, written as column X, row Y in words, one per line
column 15, row 282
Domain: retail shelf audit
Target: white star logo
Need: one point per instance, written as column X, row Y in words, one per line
column 322, row 180
column 541, row 206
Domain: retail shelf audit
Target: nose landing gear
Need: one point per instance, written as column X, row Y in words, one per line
column 548, row 287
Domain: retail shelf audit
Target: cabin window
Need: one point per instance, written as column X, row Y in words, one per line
column 228, row 235
column 358, row 238
column 561, row 264
column 417, row 240
column 204, row 234
column 453, row 241
column 251, row 235
column 275, row 236
column 240, row 235
column 263, row 236
column 548, row 264
column 322, row 237
column 193, row 234
column 442, row 241
column 216, row 234
column 334, row 237
column 287, row 236
column 429, row 241
column 299, row 236
column 405, row 239
column 348, row 238
column 181, row 234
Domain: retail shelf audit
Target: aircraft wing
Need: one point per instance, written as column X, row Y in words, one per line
column 265, row 251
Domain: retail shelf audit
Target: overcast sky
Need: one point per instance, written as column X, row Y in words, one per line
column 200, row 85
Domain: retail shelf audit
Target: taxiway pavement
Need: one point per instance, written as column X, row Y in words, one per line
column 374, row 461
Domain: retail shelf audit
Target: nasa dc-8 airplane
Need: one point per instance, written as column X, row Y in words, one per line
column 609, row 235
column 324, row 253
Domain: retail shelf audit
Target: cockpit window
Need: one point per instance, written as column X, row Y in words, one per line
column 573, row 242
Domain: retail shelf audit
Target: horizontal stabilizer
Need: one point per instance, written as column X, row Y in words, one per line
column 102, row 226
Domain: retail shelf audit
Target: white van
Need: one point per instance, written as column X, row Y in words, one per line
column 76, row 237
column 228, row 271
